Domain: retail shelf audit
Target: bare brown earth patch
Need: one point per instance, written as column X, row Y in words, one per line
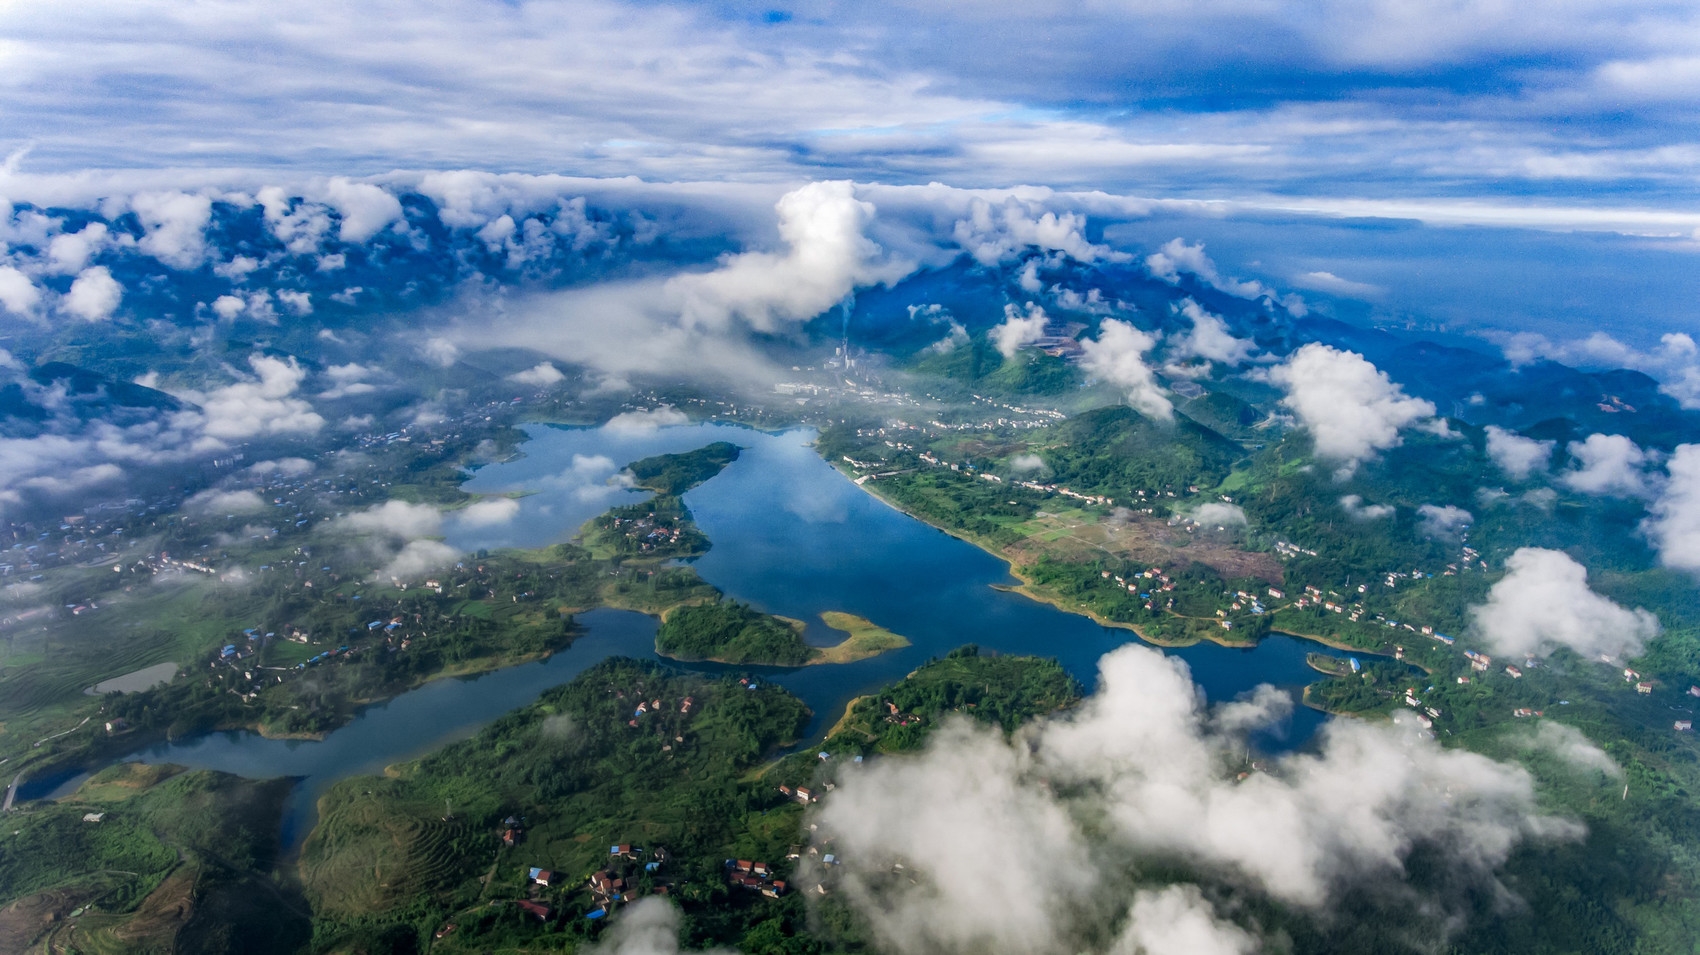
column 1141, row 538
column 27, row 919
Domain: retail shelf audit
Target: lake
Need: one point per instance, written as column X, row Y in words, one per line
column 791, row 536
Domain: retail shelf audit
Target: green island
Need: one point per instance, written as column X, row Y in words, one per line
column 1004, row 691
column 726, row 631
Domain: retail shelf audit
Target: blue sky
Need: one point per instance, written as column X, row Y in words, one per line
column 1553, row 104
column 1549, row 151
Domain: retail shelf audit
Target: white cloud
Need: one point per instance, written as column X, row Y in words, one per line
column 298, row 302
column 1353, row 410
column 996, row 233
column 440, row 352
column 1176, row 257
column 229, row 306
column 267, row 406
column 1674, row 522
column 1017, row 330
column 827, row 256
column 18, row 294
column 1607, row 464
column 69, row 252
column 488, row 512
column 366, row 209
column 1443, row 521
column 649, row 926
column 94, row 295
column 1210, row 337
column 224, row 502
column 418, row 557
column 288, row 467
column 1570, row 745
column 1516, row 455
column 237, row 268
column 541, row 375
column 1214, row 513
column 300, row 226
column 1117, row 357
column 175, row 224
column 349, row 380
column 1675, row 362
column 1354, row 506
column 1335, row 285
column 1026, row 462
column 1178, row 920
column 398, row 519
column 646, row 420
column 1030, row 853
column 77, row 479
column 1543, row 602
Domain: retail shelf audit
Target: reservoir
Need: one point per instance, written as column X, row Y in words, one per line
column 791, row 536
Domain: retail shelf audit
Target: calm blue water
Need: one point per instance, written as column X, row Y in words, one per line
column 791, row 536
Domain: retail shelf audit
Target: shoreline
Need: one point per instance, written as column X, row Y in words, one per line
column 1031, row 591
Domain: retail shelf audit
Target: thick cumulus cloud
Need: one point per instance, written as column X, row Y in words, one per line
column 827, row 256
column 70, row 252
column 1177, row 257
column 365, row 209
column 1210, row 337
column 1674, row 522
column 996, row 233
column 1005, row 864
column 1018, row 329
column 18, row 294
column 94, row 295
column 1516, row 455
column 174, row 225
column 1609, row 465
column 264, row 406
column 1353, row 410
column 1117, row 357
column 1543, row 602
column 1178, row 919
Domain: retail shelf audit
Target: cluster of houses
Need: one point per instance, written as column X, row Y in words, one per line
column 754, row 877
column 1066, row 492
column 649, row 532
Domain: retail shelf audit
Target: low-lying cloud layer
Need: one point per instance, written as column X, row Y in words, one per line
column 1005, row 864
column 1607, row 464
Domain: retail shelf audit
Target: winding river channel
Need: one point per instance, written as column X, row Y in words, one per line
column 791, row 536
